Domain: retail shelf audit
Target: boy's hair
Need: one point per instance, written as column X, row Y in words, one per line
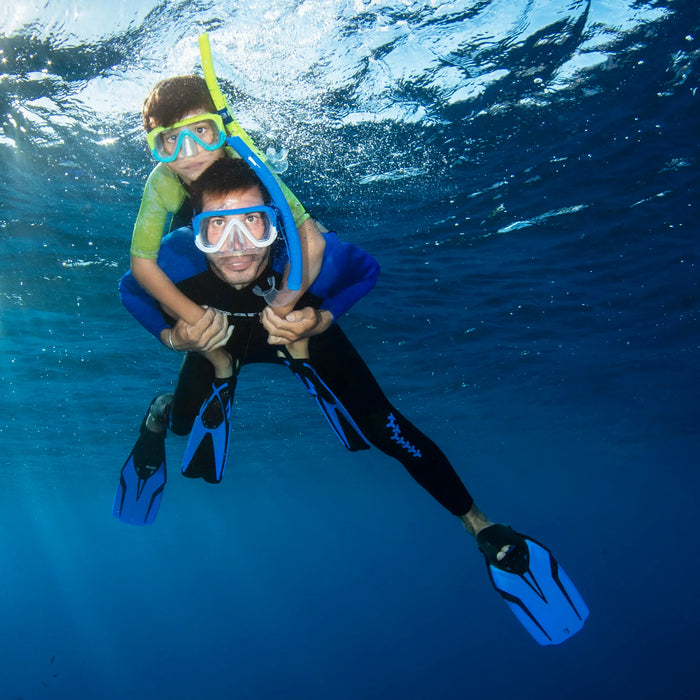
column 173, row 99
column 222, row 176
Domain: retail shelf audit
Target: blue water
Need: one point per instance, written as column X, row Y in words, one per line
column 526, row 172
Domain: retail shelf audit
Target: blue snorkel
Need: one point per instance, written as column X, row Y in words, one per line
column 236, row 140
column 291, row 236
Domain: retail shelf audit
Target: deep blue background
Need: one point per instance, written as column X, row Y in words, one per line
column 537, row 316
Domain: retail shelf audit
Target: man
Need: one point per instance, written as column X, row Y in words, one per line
column 230, row 227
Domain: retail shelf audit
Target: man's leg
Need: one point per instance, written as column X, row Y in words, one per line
column 192, row 389
column 341, row 367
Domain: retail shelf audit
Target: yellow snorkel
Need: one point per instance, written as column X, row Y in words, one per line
column 233, row 128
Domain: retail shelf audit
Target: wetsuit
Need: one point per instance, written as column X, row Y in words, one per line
column 332, row 355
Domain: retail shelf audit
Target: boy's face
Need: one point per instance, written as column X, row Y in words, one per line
column 189, row 168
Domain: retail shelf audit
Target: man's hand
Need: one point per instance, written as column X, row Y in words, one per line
column 296, row 325
column 210, row 332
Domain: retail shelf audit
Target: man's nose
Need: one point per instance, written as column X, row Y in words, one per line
column 238, row 241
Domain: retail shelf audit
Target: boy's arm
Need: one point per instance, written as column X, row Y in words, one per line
column 162, row 195
column 313, row 246
column 178, row 260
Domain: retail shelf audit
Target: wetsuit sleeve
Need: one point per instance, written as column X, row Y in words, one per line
column 162, row 197
column 180, row 259
column 347, row 274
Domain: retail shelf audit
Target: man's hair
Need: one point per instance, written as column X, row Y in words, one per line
column 223, row 176
column 173, row 99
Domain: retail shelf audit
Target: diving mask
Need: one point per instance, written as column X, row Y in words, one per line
column 235, row 229
column 180, row 140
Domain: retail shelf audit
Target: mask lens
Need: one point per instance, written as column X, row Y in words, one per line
column 258, row 226
column 235, row 230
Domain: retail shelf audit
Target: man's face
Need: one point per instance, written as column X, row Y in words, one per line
column 239, row 268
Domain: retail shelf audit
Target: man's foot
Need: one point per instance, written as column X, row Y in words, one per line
column 475, row 522
column 159, row 414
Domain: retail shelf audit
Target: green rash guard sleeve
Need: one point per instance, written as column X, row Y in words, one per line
column 162, row 197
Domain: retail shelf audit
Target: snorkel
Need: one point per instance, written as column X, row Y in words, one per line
column 274, row 297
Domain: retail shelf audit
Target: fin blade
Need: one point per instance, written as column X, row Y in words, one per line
column 207, row 447
column 137, row 500
column 341, row 422
column 544, row 599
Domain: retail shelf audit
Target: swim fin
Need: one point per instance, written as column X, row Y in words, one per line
column 534, row 586
column 142, row 479
column 338, row 418
column 207, row 447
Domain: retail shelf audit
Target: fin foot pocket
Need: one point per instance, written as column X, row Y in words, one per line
column 493, row 539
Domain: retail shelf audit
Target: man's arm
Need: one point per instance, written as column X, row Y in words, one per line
column 141, row 305
column 212, row 331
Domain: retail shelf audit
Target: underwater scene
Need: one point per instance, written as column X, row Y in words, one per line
column 525, row 172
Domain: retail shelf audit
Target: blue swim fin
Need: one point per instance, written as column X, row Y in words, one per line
column 142, row 480
column 207, row 447
column 336, row 414
column 534, row 586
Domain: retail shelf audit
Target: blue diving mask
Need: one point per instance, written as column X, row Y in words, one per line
column 235, row 230
column 180, row 140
